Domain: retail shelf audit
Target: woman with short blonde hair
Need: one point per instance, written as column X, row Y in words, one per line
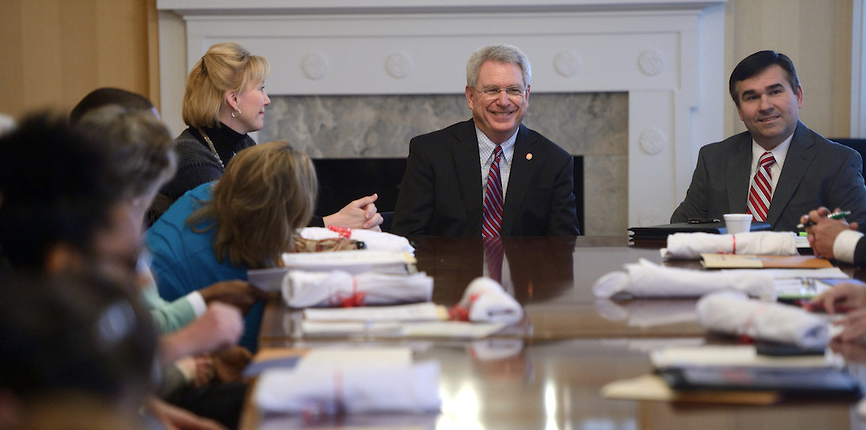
column 224, row 68
column 246, row 220
column 224, row 100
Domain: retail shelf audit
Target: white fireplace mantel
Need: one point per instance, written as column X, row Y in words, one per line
column 668, row 56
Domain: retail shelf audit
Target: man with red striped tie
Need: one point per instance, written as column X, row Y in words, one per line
column 779, row 169
column 489, row 176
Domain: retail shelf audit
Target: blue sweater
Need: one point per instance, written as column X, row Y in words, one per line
column 184, row 259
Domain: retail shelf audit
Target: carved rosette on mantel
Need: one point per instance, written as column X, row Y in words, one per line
column 646, row 48
column 567, row 63
column 399, row 65
column 315, row 66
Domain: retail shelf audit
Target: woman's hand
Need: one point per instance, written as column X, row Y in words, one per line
column 361, row 214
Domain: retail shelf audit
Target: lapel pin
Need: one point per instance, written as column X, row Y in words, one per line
column 529, row 156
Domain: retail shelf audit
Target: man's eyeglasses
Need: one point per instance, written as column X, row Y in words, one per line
column 513, row 92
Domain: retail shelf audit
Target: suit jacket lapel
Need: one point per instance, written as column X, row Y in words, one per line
column 739, row 171
column 522, row 171
column 467, row 164
column 800, row 155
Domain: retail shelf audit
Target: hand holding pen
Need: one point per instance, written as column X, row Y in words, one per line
column 822, row 229
column 835, row 215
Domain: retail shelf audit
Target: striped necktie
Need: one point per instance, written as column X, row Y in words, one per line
column 761, row 192
column 493, row 253
column 492, row 221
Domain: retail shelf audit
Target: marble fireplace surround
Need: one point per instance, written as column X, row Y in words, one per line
column 667, row 56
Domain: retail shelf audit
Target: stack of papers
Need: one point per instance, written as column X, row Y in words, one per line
column 734, row 374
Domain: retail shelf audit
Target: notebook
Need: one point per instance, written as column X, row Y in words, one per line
column 663, row 230
column 808, row 382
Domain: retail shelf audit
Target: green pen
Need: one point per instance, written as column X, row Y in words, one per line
column 837, row 215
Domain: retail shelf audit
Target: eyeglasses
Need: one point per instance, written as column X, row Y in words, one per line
column 513, row 92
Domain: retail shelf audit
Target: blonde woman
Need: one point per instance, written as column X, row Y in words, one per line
column 246, row 220
column 224, row 100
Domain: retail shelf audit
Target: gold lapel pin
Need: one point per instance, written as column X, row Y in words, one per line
column 529, row 156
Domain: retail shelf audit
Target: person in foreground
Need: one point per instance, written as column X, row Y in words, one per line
column 779, row 168
column 67, row 220
column 246, row 220
column 141, row 158
column 76, row 351
column 488, row 176
column 224, row 100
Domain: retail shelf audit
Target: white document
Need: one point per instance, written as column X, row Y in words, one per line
column 452, row 329
column 426, row 311
column 354, row 261
column 827, row 273
column 444, row 329
column 331, row 357
column 731, row 356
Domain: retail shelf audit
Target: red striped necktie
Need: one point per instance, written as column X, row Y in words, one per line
column 761, row 192
column 492, row 221
column 493, row 253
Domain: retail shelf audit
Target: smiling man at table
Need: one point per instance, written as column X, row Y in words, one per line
column 490, row 175
column 779, row 169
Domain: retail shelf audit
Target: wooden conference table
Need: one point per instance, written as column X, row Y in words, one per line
column 547, row 372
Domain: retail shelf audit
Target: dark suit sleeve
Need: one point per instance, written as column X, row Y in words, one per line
column 847, row 191
column 695, row 204
column 563, row 214
column 414, row 208
column 860, row 252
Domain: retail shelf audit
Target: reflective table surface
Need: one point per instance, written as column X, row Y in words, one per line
column 548, row 371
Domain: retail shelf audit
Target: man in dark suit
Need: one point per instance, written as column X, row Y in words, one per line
column 448, row 172
column 805, row 169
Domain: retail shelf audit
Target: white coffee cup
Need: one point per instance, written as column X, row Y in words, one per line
column 738, row 223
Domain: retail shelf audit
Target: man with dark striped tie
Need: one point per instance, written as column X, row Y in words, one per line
column 778, row 169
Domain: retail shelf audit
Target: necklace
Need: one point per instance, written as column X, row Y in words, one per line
column 212, row 147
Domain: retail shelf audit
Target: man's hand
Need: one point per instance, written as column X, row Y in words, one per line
column 823, row 231
column 360, row 213
column 842, row 297
column 240, row 294
column 854, row 327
